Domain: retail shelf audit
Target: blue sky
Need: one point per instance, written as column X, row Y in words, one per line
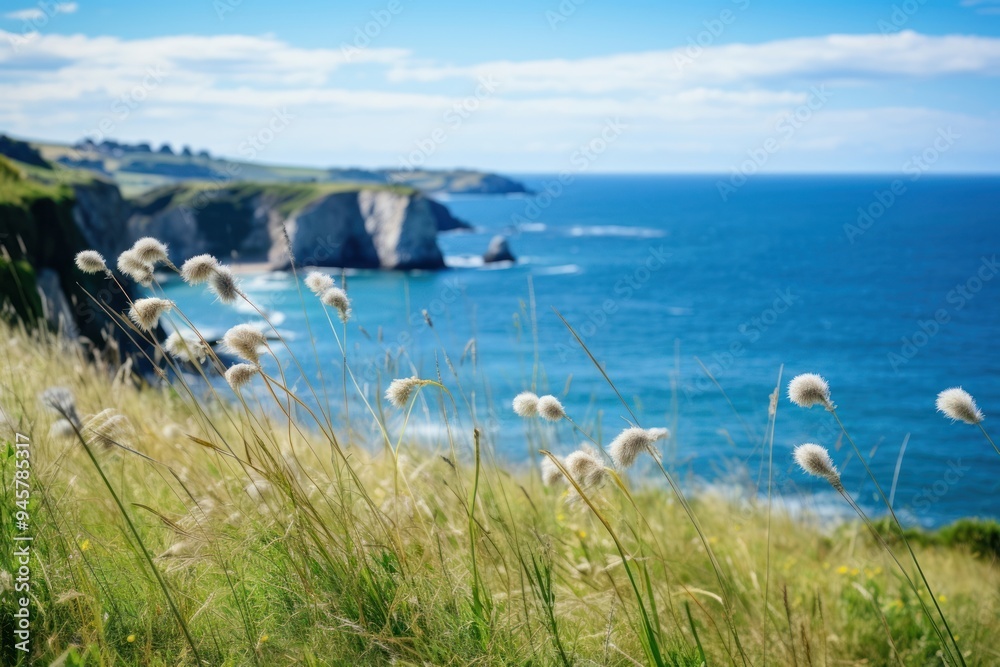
column 518, row 86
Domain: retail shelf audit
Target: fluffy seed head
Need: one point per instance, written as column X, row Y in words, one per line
column 959, row 405
column 59, row 400
column 198, row 269
column 631, row 442
column 400, row 389
column 816, row 460
column 334, row 297
column 108, row 428
column 146, row 312
column 318, row 282
column 258, row 489
column 526, row 404
column 551, row 475
column 239, row 375
column 91, row 261
column 244, row 340
column 550, row 408
column 186, row 347
column 62, row 429
column 223, row 284
column 809, row 389
column 150, row 250
column 586, row 468
column 136, row 269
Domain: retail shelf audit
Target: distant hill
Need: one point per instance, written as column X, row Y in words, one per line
column 137, row 168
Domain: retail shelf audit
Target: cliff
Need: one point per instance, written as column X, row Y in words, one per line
column 46, row 216
column 342, row 225
column 48, row 213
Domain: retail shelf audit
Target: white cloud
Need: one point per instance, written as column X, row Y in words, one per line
column 906, row 54
column 372, row 105
column 42, row 11
column 25, row 14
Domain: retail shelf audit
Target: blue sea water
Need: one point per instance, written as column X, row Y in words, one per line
column 661, row 274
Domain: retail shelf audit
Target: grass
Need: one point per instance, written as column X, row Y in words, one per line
column 254, row 530
column 137, row 173
column 288, row 197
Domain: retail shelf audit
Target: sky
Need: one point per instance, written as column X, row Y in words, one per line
column 722, row 86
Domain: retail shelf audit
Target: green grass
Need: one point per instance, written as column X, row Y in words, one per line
column 980, row 537
column 137, row 173
column 288, row 197
column 216, row 526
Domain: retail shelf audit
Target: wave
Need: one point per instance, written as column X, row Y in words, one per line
column 464, row 261
column 266, row 282
column 241, row 306
column 532, row 227
column 563, row 270
column 475, row 262
column 436, row 433
column 615, row 230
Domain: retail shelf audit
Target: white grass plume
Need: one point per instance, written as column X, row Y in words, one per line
column 132, row 266
column 223, row 284
column 108, row 428
column 151, row 251
column 816, row 461
column 551, row 475
column 550, row 408
column 146, row 312
column 809, row 389
column 239, row 375
column 334, row 297
column 186, row 347
column 525, row 404
column 400, row 389
column 632, row 442
column 959, row 405
column 62, row 429
column 91, row 261
column 61, row 401
column 245, row 341
column 199, row 269
column 586, row 468
column 318, row 282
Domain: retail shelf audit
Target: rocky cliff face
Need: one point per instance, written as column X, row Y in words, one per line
column 101, row 215
column 48, row 214
column 362, row 227
column 43, row 224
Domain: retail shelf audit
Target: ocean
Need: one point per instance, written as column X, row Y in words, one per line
column 885, row 285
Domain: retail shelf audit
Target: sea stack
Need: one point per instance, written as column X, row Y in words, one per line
column 498, row 251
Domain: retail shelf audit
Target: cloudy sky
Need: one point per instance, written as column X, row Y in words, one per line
column 517, row 86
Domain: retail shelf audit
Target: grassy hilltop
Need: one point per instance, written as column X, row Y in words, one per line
column 137, row 169
column 175, row 522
